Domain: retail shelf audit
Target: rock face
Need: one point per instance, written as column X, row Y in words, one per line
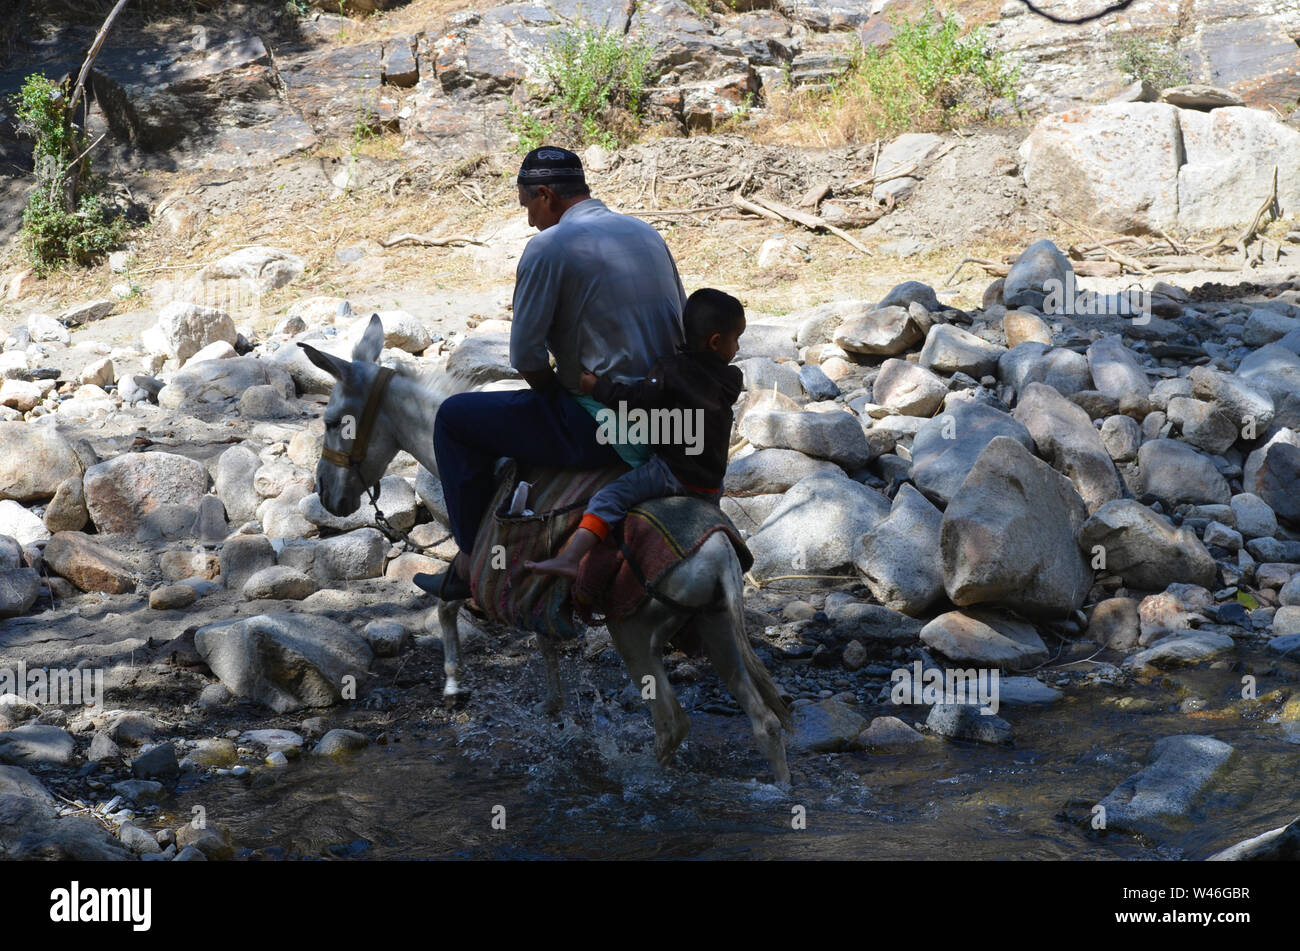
column 1008, row 536
column 946, row 447
column 1065, row 437
column 1181, row 169
column 125, row 489
column 898, row 558
column 1180, row 768
column 34, row 462
column 1143, row 548
column 284, row 661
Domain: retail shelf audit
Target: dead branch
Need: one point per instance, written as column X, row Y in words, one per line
column 992, row 268
column 1123, row 259
column 425, row 241
column 811, row 222
column 1269, row 207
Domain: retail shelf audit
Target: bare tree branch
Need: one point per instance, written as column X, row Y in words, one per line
column 1113, row 8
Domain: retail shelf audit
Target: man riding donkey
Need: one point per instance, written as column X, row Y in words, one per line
column 598, row 290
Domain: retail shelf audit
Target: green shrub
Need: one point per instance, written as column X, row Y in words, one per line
column 594, row 83
column 1155, row 60
column 928, row 77
column 66, row 220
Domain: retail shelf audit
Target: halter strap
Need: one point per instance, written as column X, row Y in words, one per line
column 368, row 414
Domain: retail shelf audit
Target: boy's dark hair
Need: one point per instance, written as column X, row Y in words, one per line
column 710, row 311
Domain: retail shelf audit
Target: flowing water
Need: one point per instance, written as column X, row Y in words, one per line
column 587, row 786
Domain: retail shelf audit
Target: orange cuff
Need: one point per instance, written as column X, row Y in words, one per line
column 595, row 524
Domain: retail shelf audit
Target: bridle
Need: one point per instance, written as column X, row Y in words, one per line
column 352, row 459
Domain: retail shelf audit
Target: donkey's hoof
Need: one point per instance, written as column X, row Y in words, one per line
column 455, row 693
column 548, row 708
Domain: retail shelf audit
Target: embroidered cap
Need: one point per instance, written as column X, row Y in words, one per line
column 550, row 164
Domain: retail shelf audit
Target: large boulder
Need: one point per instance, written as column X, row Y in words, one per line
column 1115, row 371
column 122, row 491
column 950, row 349
column 260, row 268
column 214, row 381
column 984, row 639
column 1275, row 370
column 813, row 528
column 1277, row 481
column 88, row 564
column 1008, row 535
column 347, row 557
column 908, row 389
column 899, row 557
column 233, row 482
column 886, row 332
column 1065, row 437
column 1180, row 767
column 284, row 661
column 1041, row 269
column 1143, row 548
column 771, row 470
column 837, row 436
column 946, row 447
column 34, row 462
column 184, row 329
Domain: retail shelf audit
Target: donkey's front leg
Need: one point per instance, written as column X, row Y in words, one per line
column 554, row 701
column 447, row 612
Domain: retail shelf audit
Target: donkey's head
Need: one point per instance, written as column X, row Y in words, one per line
column 359, row 442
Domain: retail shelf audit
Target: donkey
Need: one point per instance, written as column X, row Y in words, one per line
column 388, row 412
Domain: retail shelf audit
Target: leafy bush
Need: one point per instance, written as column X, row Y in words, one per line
column 929, row 77
column 1155, row 60
column 66, row 220
column 594, row 83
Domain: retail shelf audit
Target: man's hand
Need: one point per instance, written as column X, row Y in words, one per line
column 543, row 381
column 587, row 382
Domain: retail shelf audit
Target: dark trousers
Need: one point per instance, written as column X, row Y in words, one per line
column 473, row 430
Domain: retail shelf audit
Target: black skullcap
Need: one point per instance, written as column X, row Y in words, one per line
column 549, row 164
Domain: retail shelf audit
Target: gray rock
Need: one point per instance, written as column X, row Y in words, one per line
column 837, row 436
column 1239, row 400
column 1115, row 623
column 348, row 557
column 103, row 749
column 908, row 388
column 962, row 721
column 946, row 447
column 278, row 583
column 121, row 492
column 1277, row 845
column 140, row 790
column 1038, row 269
column 233, row 481
column 898, row 558
column 1067, row 440
column 138, row 840
column 826, row 727
column 34, row 462
column 813, row 528
column 1254, row 518
column 266, row 402
column 1122, row 437
column 30, row 829
column 1276, row 480
column 886, row 332
column 214, row 381
column 243, row 556
column 771, row 470
column 158, row 762
column 1202, row 424
column 817, row 384
column 397, row 500
column 19, row 589
column 856, row 620
column 1115, row 371
column 984, row 639
column 1177, row 473
column 285, row 661
column 1026, row 692
column 762, row 374
column 1144, row 548
column 1182, row 650
column 949, row 349
column 1036, row 515
column 36, row 744
column 387, row 638
column 338, row 742
column 1166, row 788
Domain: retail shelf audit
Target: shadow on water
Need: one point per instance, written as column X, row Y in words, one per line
column 588, row 787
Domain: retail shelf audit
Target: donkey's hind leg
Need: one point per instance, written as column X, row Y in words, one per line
column 452, row 689
column 640, row 640
column 554, row 700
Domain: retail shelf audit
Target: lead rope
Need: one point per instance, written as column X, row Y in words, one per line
column 387, row 527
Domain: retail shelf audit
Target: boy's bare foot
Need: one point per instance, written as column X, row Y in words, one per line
column 559, row 566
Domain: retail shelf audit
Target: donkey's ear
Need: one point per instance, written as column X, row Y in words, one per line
column 326, row 361
column 371, row 343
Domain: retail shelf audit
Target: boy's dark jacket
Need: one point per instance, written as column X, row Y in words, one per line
column 687, row 380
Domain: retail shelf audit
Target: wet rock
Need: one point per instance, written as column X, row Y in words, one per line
column 946, row 447
column 898, row 558
column 1144, row 548
column 826, row 727
column 216, row 753
column 34, row 462
column 156, row 763
column 1183, row 650
column 1176, row 472
column 36, row 744
column 888, row 733
column 340, row 742
column 88, row 564
column 1035, row 567
column 1277, row 845
column 278, row 582
column 1026, row 692
column 812, row 529
column 985, row 640
column 1179, row 769
column 908, row 389
column 212, row 842
column 285, row 661
column 140, row 790
column 961, row 721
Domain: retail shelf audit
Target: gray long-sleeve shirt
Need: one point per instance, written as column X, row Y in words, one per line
column 600, row 291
